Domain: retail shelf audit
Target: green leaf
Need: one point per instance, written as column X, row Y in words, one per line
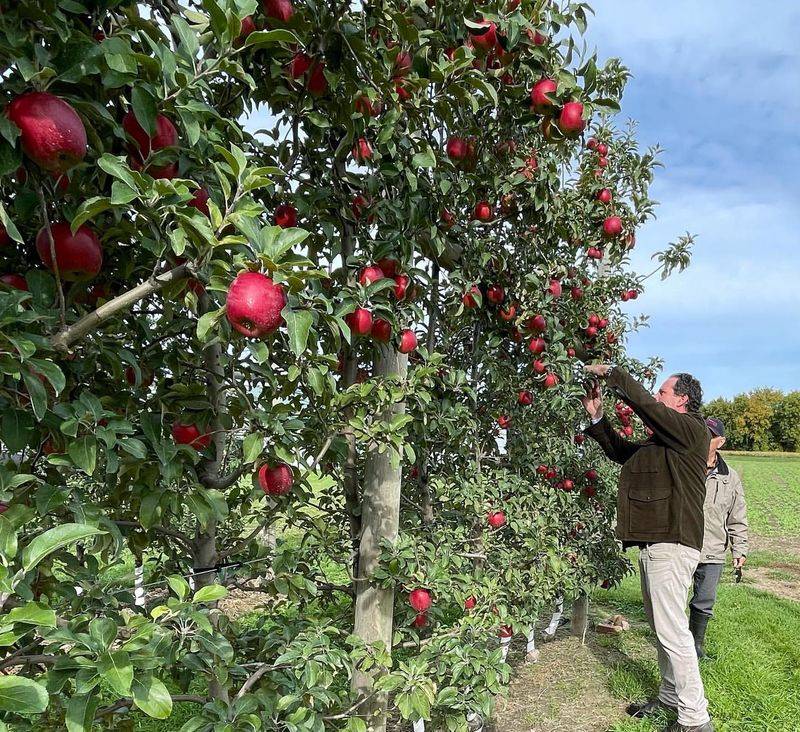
column 115, row 168
column 116, row 668
column 298, row 324
column 179, row 586
column 121, row 193
column 17, row 429
column 80, row 713
column 269, row 38
column 210, row 593
column 253, row 447
column 206, row 322
column 88, row 210
column 83, row 453
column 32, row 613
column 103, row 631
column 153, row 698
column 37, row 394
column 51, row 372
column 22, row 696
column 425, row 159
column 53, row 540
column 144, row 108
column 8, row 539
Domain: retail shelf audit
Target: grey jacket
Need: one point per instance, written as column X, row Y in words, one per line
column 725, row 515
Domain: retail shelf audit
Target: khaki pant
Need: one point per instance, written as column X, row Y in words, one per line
column 666, row 572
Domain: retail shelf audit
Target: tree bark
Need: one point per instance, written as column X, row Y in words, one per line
column 380, row 519
column 580, row 616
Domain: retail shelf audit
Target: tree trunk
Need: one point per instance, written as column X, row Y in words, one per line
column 205, row 552
column 380, row 518
column 580, row 616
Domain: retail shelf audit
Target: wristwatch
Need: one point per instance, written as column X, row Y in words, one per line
column 608, row 371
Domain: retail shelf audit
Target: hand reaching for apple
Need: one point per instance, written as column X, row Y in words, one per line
column 593, row 401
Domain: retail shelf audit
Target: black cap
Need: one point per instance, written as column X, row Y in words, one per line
column 716, row 426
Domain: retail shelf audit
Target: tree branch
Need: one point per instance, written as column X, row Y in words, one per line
column 127, row 701
column 62, row 340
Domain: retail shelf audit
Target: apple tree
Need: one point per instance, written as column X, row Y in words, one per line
column 295, row 300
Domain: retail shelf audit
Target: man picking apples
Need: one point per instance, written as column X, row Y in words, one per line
column 725, row 527
column 660, row 509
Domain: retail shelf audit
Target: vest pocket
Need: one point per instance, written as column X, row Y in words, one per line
column 649, row 509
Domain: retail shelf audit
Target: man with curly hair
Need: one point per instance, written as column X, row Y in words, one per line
column 660, row 509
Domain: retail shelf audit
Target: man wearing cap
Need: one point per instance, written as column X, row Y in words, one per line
column 660, row 509
column 725, row 526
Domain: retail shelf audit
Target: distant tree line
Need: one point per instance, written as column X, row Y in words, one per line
column 763, row 419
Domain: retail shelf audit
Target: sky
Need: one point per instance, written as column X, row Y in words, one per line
column 717, row 84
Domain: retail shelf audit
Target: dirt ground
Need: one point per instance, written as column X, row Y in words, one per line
column 565, row 691
column 782, row 580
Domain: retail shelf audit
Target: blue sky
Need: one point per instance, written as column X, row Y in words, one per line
column 717, row 83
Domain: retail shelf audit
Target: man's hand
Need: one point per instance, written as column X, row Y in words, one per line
column 738, row 562
column 593, row 401
column 597, row 369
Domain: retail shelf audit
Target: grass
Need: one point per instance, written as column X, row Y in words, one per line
column 772, row 492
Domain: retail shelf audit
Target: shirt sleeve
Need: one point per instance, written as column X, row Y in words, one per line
column 615, row 447
column 677, row 430
column 736, row 524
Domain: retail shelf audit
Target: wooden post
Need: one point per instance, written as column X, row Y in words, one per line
column 380, row 519
column 580, row 617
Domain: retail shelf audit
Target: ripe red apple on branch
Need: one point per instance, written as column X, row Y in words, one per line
column 539, row 96
column 281, row 10
column 78, row 256
column 570, row 120
column 483, row 212
column 51, row 132
column 495, row 294
column 525, row 398
column 497, row 519
column 16, row 281
column 285, row 216
column 408, row 341
column 370, row 274
column 359, row 321
column 275, row 480
column 381, row 330
column 190, row 434
column 420, row 600
column 468, row 298
column 254, row 305
column 483, row 39
column 456, row 149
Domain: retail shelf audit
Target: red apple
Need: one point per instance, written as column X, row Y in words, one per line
column 362, row 150
column 541, row 469
column 357, row 206
column 591, row 332
column 15, row 280
column 254, row 305
column 579, row 439
column 448, row 218
column 539, row 366
column 594, row 253
column 530, row 167
column 570, row 121
column 456, row 149
column 525, row 398
column 165, row 135
column 285, row 216
column 576, row 293
column 408, row 341
column 591, row 474
column 189, row 434
column 602, row 162
column 401, row 285
column 537, row 345
column 300, row 63
column 602, row 149
column 484, row 39
column 168, row 171
column 537, row 323
column 555, row 288
column 591, row 143
column 317, row 82
column 571, row 352
column 402, row 64
column 381, row 330
column 78, row 256
column 420, row 600
column 567, row 485
column 541, row 89
column 604, row 195
column 245, row 29
column 504, row 421
column 146, row 376
column 360, row 321
column 200, row 200
column 483, row 211
column 388, row 266
column 550, row 380
column 468, row 298
column 421, row 620
column 51, row 132
column 281, row 10
column 366, row 106
column 370, row 274
column 277, row 480
column 594, row 319
column 470, row 603
column 5, row 239
column 612, row 227
column 506, row 631
column 495, row 294
column 508, row 313
column 497, row 519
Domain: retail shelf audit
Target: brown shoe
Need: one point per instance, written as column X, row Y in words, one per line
column 648, row 708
